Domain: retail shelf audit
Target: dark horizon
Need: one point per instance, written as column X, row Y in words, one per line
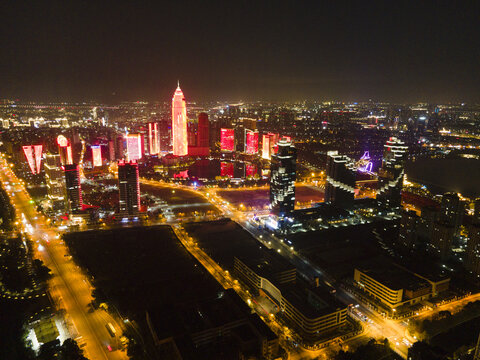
column 275, row 51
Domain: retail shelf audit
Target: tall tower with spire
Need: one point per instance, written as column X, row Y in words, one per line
column 179, row 123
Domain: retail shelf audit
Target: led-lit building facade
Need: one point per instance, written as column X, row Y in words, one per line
column 451, row 211
column 65, row 150
column 134, row 147
column 251, row 142
column 226, row 169
column 203, row 139
column 54, row 180
column 73, row 188
column 129, row 188
column 33, row 154
column 390, row 175
column 96, row 155
column 227, row 139
column 283, row 169
column 153, row 138
column 340, row 185
column 179, row 124
column 269, row 142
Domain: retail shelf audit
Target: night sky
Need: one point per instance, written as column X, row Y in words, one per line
column 231, row 50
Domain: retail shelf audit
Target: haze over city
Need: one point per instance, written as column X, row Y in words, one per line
column 281, row 50
column 239, row 180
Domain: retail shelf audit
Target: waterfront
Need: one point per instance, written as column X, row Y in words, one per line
column 457, row 174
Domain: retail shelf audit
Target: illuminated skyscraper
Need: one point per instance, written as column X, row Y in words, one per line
column 340, row 186
column 129, row 187
column 269, row 142
column 153, row 138
column 227, row 139
column 390, row 176
column 74, row 190
column 33, row 153
column 54, row 178
column 251, row 141
column 179, row 123
column 65, row 150
column 282, row 182
column 134, row 146
column 96, row 155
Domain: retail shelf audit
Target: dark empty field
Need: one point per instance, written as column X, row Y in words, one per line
column 140, row 268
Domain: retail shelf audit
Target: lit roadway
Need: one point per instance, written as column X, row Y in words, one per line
column 375, row 326
column 69, row 288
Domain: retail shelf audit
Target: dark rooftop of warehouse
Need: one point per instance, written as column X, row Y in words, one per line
column 311, row 302
column 392, row 276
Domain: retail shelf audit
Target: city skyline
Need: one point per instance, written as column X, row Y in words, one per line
column 314, row 193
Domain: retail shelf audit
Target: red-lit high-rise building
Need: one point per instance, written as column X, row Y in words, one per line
column 251, row 142
column 179, row 123
column 227, row 139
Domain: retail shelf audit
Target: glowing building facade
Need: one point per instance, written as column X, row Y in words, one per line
column 340, row 186
column 226, row 169
column 55, row 180
column 96, row 155
column 269, row 145
column 33, row 153
column 390, row 175
column 251, row 142
column 134, row 147
column 227, row 139
column 129, row 188
column 74, row 190
column 283, row 171
column 65, row 150
column 153, row 138
column 179, row 124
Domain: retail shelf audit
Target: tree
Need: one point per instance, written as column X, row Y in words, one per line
column 42, row 271
column 71, row 351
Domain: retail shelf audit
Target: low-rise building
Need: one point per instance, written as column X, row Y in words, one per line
column 395, row 286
